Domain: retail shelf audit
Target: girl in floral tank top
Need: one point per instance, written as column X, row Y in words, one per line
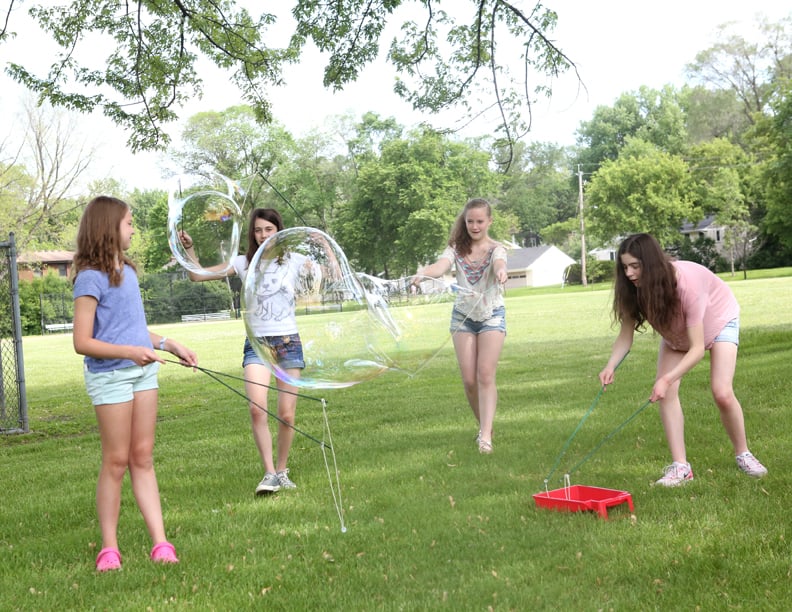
column 478, row 319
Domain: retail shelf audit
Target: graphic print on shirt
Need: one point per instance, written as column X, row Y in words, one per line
column 274, row 299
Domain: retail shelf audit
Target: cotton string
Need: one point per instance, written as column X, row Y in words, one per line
column 579, row 425
column 335, row 486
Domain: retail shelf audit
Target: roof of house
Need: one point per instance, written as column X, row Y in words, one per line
column 697, row 227
column 519, row 259
column 49, row 257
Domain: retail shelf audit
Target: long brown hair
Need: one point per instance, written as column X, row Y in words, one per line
column 656, row 300
column 99, row 239
column 460, row 239
column 268, row 214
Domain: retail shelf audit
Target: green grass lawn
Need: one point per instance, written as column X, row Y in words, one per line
column 431, row 523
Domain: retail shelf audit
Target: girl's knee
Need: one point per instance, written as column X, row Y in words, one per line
column 724, row 398
column 258, row 417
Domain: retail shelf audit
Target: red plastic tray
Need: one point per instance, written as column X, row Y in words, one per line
column 577, row 498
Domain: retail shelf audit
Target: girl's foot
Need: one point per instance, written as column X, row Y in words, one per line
column 108, row 559
column 485, row 447
column 164, row 552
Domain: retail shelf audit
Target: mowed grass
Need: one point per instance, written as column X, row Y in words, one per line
column 431, row 524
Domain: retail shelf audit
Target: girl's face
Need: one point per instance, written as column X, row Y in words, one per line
column 263, row 229
column 127, row 230
column 632, row 268
column 477, row 222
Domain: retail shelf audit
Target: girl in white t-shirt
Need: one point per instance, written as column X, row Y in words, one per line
column 478, row 320
column 276, row 326
column 693, row 311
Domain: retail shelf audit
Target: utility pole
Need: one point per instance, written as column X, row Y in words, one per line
column 583, row 279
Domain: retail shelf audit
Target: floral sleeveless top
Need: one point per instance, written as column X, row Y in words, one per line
column 479, row 291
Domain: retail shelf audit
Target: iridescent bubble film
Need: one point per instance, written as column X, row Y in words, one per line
column 206, row 206
column 353, row 327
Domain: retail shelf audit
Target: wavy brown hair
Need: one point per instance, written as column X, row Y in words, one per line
column 99, row 239
column 459, row 238
column 656, row 301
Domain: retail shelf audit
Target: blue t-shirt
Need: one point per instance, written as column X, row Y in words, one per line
column 120, row 318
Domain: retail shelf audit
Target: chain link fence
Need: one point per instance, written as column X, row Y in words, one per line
column 13, row 402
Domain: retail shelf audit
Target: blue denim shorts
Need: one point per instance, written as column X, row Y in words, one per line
column 286, row 351
column 460, row 322
column 730, row 332
column 119, row 386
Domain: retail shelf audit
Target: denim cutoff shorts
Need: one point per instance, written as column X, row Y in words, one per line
column 119, row 386
column 287, row 351
column 497, row 322
column 730, row 332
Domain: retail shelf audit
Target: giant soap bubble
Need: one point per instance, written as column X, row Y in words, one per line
column 353, row 327
column 206, row 206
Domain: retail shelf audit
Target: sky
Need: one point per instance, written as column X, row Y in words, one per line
column 617, row 45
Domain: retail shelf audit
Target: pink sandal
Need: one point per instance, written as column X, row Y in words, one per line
column 108, row 559
column 164, row 552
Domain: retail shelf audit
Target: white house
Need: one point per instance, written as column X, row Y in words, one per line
column 706, row 228
column 541, row 266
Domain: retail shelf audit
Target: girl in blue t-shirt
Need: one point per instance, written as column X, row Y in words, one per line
column 120, row 372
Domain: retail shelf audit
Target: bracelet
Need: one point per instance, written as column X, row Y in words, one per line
column 162, row 343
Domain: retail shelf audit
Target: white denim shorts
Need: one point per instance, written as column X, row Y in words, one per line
column 119, row 386
column 730, row 332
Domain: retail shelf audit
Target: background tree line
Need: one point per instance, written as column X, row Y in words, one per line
column 721, row 145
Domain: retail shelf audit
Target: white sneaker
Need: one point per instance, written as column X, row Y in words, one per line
column 676, row 474
column 750, row 465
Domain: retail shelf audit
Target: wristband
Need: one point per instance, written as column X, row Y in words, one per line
column 162, row 343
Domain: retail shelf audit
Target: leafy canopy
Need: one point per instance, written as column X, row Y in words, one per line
column 139, row 61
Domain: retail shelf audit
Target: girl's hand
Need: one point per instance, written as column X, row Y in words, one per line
column 185, row 239
column 606, row 377
column 186, row 356
column 659, row 390
column 143, row 356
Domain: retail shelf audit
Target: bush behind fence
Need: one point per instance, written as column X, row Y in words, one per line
column 47, row 304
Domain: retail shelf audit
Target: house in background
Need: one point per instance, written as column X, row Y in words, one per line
column 35, row 264
column 706, row 228
column 541, row 266
column 604, row 253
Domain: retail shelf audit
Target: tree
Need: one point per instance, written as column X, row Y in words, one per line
column 712, row 113
column 752, row 71
column 153, row 49
column 316, row 180
column 777, row 171
column 538, row 190
column 718, row 169
column 407, row 200
column 40, row 187
column 650, row 115
column 644, row 190
column 150, row 246
column 232, row 143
